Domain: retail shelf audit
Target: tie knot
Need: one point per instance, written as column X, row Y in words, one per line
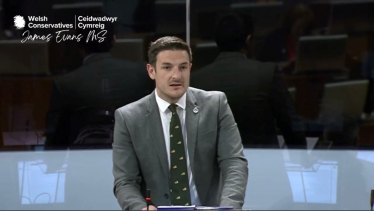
column 173, row 107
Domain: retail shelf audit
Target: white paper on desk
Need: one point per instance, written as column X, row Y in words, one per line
column 192, row 207
column 214, row 208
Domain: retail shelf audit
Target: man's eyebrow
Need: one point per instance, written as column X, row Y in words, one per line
column 166, row 63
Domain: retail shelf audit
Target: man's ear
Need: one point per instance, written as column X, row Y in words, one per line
column 248, row 39
column 151, row 71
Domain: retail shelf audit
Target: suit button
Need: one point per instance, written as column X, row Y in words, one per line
column 166, row 196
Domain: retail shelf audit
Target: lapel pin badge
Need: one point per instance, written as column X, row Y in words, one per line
column 195, row 110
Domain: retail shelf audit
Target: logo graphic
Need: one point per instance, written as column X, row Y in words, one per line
column 19, row 22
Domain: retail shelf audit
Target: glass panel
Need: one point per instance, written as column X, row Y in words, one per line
column 63, row 73
column 277, row 180
column 324, row 56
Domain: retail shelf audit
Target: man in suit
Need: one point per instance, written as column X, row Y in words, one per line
column 102, row 84
column 256, row 91
column 180, row 142
column 281, row 45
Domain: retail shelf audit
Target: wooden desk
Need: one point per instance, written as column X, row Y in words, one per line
column 24, row 99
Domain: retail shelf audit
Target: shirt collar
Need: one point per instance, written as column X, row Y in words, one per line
column 85, row 59
column 163, row 105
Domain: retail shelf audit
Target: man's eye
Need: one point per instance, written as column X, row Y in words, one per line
column 167, row 67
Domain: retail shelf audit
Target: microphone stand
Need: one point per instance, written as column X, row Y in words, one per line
column 148, row 198
column 371, row 199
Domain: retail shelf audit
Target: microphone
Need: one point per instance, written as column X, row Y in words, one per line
column 148, row 198
column 371, row 199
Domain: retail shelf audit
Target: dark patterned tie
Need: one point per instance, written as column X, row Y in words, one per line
column 180, row 192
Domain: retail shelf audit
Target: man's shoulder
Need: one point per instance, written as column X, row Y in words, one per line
column 203, row 95
column 125, row 62
column 135, row 108
column 257, row 65
column 68, row 78
column 114, row 63
column 237, row 64
column 111, row 64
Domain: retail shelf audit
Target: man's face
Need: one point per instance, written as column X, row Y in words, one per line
column 171, row 73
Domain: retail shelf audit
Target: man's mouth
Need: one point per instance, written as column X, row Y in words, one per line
column 176, row 84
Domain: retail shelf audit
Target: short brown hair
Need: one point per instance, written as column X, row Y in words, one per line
column 298, row 12
column 167, row 43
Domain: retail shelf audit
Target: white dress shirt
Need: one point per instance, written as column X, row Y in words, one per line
column 165, row 115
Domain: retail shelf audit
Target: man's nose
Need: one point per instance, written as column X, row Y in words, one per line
column 176, row 73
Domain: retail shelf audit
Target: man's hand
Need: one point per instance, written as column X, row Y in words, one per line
column 151, row 207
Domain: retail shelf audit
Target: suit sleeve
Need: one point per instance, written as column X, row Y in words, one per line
column 232, row 162
column 126, row 172
column 291, row 125
column 57, row 122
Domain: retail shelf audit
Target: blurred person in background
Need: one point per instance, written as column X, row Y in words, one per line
column 260, row 103
column 90, row 94
column 256, row 91
column 281, row 45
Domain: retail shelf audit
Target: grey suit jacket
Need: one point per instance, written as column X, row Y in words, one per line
column 214, row 145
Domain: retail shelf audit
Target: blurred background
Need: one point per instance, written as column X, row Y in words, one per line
column 61, row 96
column 328, row 72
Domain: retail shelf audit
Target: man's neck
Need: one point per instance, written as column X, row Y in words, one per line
column 171, row 101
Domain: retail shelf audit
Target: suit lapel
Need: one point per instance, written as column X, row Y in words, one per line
column 192, row 120
column 154, row 125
